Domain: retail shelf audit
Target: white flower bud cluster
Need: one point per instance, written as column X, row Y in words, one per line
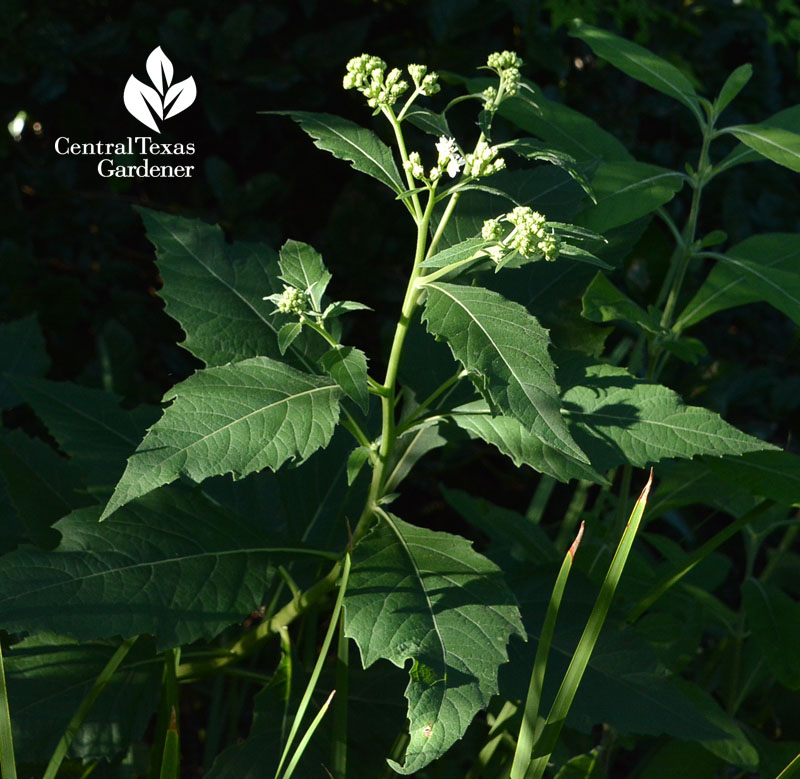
column 427, row 83
column 414, row 165
column 367, row 74
column 506, row 64
column 291, row 301
column 483, row 161
column 530, row 235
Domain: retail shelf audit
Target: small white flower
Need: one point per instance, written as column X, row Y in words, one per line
column 449, row 156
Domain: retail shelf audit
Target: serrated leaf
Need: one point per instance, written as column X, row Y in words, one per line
column 523, row 447
column 425, row 596
column 236, row 418
column 302, row 267
column 348, row 141
column 773, row 475
column 42, row 486
column 347, row 366
column 617, row 418
column 429, row 122
column 774, row 619
column 529, row 149
column 214, row 289
column 88, row 425
column 343, row 307
column 582, row 255
column 763, row 267
column 626, row 191
column 172, row 564
column 734, row 84
column 23, row 350
column 507, row 348
column 639, row 63
column 603, row 302
column 774, row 143
column 48, row 677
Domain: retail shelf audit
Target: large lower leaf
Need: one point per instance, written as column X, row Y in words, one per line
column 22, row 347
column 774, row 619
column 88, row 425
column 172, row 564
column 618, row 419
column 507, row 348
column 348, row 141
column 640, row 63
column 764, row 267
column 48, row 676
column 215, row 289
column 522, row 446
column 41, row 485
column 236, row 418
column 419, row 595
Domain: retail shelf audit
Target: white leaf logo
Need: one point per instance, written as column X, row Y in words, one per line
column 146, row 103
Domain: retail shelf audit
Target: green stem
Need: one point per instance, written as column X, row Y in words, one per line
column 339, row 751
column 437, row 393
column 415, row 207
column 60, row 752
column 254, row 639
column 7, row 763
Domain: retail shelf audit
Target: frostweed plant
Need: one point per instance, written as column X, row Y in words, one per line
column 487, row 344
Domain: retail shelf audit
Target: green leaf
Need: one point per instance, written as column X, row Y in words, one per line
column 302, row 267
column 523, row 447
column 774, row 619
column 409, row 448
column 42, row 486
column 616, row 419
column 343, row 307
column 453, row 254
column 48, row 677
column 172, row 564
column 236, row 418
column 529, row 149
column 347, row 366
column 734, row 84
column 88, row 425
column 355, row 462
column 287, row 335
column 787, row 119
column 582, row 767
column 764, row 267
column 773, row 475
column 639, row 63
column 626, row 191
column 23, row 350
column 774, row 143
column 507, row 348
column 420, row 595
column 214, row 289
column 603, row 302
column 348, row 141
column 563, row 127
column 429, row 122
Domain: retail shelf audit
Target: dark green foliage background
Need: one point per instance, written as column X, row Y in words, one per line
column 73, row 250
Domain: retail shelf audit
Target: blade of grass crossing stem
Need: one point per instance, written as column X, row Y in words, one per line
column 580, row 659
column 312, row 682
column 301, row 747
column 7, row 764
column 86, row 704
column 792, row 771
column 525, row 741
column 339, row 756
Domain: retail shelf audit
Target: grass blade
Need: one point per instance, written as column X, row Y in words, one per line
column 525, row 741
column 312, row 682
column 791, row 771
column 60, row 752
column 301, row 747
column 8, row 765
column 580, row 659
